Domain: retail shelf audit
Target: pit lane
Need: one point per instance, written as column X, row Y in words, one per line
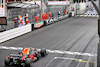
column 73, row 35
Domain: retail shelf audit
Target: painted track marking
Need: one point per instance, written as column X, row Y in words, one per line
column 52, row 51
column 64, row 58
column 87, row 15
column 84, row 61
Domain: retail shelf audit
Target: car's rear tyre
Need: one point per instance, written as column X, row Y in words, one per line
column 28, row 62
column 7, row 61
column 43, row 52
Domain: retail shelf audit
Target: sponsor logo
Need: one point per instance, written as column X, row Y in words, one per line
column 37, row 25
column 61, row 17
column 55, row 19
column 49, row 21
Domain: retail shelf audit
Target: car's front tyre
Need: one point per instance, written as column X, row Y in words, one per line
column 43, row 52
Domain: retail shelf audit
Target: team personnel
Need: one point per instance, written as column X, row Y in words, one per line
column 64, row 12
column 44, row 16
column 36, row 18
column 27, row 20
column 15, row 22
column 58, row 13
column 50, row 15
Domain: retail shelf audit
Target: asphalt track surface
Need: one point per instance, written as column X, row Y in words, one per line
column 76, row 34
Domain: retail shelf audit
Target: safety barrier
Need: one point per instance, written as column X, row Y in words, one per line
column 53, row 20
column 7, row 35
column 4, row 36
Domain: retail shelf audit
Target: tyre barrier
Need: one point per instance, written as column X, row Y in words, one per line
column 10, row 34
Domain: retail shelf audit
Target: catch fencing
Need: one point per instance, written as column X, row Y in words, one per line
column 15, row 12
column 54, row 10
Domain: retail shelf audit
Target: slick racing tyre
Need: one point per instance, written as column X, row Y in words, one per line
column 7, row 61
column 28, row 62
column 43, row 52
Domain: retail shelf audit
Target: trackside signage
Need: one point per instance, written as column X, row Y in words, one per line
column 2, row 12
column 49, row 21
column 52, row 20
column 37, row 25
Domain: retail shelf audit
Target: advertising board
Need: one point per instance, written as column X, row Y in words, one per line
column 2, row 12
column 39, row 24
column 3, row 21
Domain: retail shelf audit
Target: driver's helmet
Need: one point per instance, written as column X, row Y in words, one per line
column 25, row 51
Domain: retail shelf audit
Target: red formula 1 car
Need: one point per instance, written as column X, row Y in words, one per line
column 25, row 57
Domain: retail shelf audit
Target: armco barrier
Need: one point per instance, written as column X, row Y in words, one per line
column 4, row 36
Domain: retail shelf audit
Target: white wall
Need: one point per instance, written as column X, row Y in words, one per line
column 4, row 36
column 82, row 7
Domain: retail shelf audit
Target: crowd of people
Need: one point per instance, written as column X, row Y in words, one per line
column 43, row 16
column 23, row 20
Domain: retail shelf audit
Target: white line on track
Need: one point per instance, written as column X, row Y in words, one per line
column 64, row 58
column 50, row 62
column 70, row 52
column 11, row 48
column 87, row 15
column 67, row 58
column 52, row 51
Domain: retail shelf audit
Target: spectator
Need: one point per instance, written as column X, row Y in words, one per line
column 38, row 15
column 58, row 13
column 26, row 20
column 20, row 21
column 29, row 18
column 23, row 20
column 15, row 22
column 46, row 16
column 64, row 12
column 43, row 16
